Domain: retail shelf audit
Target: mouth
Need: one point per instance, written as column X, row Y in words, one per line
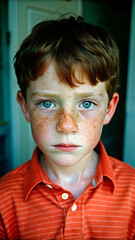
column 66, row 147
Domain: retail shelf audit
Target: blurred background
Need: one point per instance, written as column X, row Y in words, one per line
column 17, row 17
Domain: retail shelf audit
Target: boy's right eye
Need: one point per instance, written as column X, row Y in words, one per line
column 47, row 104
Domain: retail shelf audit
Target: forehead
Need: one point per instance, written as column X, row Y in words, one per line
column 50, row 82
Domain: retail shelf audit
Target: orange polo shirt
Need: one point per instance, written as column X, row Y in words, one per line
column 32, row 207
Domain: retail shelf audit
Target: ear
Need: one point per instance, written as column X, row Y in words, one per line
column 111, row 108
column 23, row 105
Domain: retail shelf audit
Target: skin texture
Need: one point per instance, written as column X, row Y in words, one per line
column 70, row 122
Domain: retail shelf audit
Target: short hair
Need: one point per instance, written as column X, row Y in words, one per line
column 68, row 42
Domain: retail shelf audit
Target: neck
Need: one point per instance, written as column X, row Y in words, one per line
column 69, row 175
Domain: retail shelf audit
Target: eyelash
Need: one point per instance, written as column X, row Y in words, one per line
column 41, row 104
column 92, row 104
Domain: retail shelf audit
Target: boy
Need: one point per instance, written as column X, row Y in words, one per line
column 67, row 71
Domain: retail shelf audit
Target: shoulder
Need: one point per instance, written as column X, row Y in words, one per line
column 124, row 174
column 122, row 167
column 12, row 181
column 14, row 174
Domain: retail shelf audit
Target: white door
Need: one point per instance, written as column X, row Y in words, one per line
column 23, row 15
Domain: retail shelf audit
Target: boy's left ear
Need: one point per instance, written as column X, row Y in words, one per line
column 23, row 105
column 111, row 108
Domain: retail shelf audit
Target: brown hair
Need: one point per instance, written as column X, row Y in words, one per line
column 68, row 42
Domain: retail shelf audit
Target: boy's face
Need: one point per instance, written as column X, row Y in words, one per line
column 66, row 122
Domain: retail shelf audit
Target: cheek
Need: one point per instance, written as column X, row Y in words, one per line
column 92, row 129
column 41, row 126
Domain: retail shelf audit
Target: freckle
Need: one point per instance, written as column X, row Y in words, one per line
column 63, row 115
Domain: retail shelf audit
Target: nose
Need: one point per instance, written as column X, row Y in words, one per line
column 67, row 124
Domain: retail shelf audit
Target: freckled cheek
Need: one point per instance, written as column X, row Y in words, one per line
column 41, row 127
column 91, row 130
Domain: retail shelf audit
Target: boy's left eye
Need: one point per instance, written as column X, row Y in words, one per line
column 47, row 104
column 87, row 105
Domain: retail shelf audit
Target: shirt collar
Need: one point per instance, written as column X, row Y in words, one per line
column 105, row 167
column 35, row 174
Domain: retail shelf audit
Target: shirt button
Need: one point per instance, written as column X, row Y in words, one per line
column 64, row 196
column 49, row 186
column 74, row 207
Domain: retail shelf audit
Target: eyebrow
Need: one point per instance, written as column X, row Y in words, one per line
column 49, row 94
column 90, row 94
column 44, row 94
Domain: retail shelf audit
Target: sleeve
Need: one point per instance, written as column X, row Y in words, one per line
column 3, row 234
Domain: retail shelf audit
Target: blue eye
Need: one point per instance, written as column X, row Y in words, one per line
column 87, row 105
column 47, row 104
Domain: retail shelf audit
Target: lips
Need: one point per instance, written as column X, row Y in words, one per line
column 66, row 147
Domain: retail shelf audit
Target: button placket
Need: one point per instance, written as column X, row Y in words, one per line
column 64, row 198
column 74, row 207
column 74, row 221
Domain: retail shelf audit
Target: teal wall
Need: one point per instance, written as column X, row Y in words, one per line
column 115, row 18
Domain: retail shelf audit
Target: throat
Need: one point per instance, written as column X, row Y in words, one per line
column 76, row 188
column 74, row 180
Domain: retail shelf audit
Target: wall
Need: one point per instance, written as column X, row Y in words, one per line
column 96, row 12
column 129, row 138
column 23, row 14
column 115, row 18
